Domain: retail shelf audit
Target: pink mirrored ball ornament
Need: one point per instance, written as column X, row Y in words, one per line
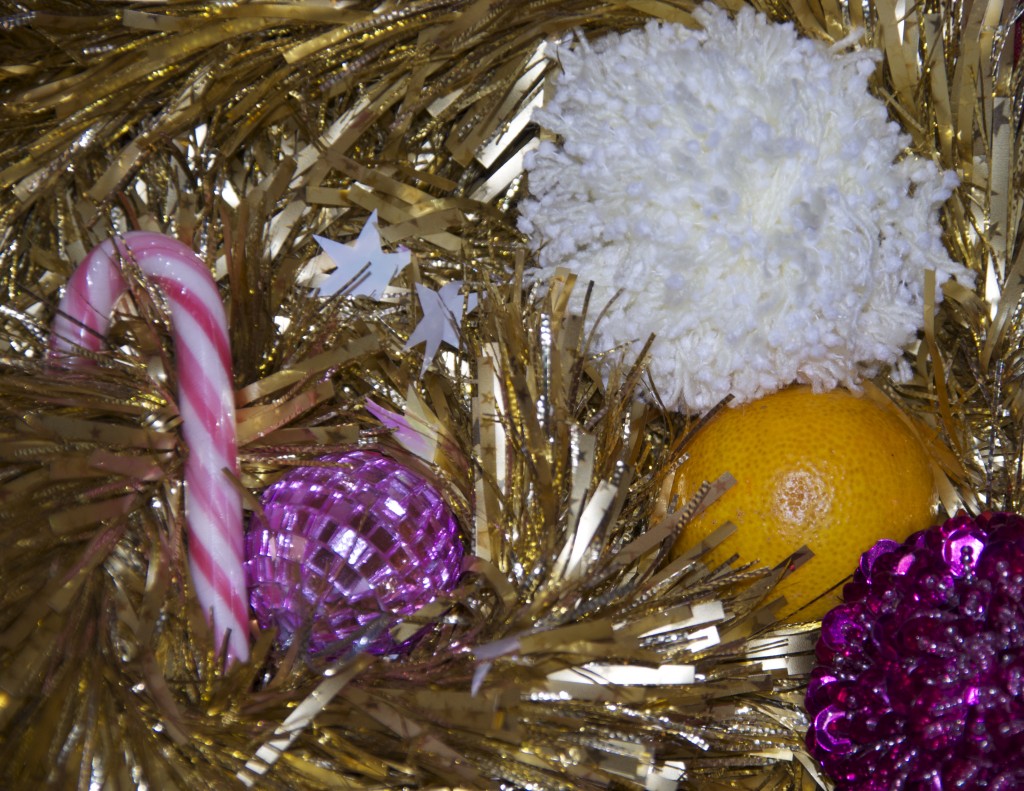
column 347, row 540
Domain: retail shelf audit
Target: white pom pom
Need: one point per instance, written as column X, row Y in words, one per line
column 749, row 197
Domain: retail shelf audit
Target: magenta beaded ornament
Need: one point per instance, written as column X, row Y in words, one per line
column 345, row 541
column 920, row 675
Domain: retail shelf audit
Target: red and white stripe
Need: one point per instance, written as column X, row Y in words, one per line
column 213, row 506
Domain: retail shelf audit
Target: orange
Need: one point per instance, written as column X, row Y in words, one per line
column 833, row 471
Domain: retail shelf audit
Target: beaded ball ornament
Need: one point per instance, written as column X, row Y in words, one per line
column 345, row 541
column 920, row 681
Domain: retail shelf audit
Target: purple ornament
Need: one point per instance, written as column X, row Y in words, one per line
column 920, row 676
column 344, row 544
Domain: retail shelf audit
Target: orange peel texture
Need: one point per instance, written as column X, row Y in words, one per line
column 833, row 471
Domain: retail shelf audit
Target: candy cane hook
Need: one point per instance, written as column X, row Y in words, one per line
column 213, row 507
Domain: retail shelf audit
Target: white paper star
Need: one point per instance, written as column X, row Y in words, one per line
column 350, row 258
column 442, row 318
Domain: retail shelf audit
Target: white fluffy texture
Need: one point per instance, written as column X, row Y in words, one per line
column 749, row 197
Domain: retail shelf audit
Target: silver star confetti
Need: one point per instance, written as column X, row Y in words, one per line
column 364, row 252
column 442, row 318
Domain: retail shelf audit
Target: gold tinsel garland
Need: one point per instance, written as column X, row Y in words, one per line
column 245, row 128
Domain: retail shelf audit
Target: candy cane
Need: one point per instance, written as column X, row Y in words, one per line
column 213, row 507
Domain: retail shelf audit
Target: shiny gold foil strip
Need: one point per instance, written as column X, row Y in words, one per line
column 70, row 428
column 256, row 422
column 305, row 370
column 300, row 718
